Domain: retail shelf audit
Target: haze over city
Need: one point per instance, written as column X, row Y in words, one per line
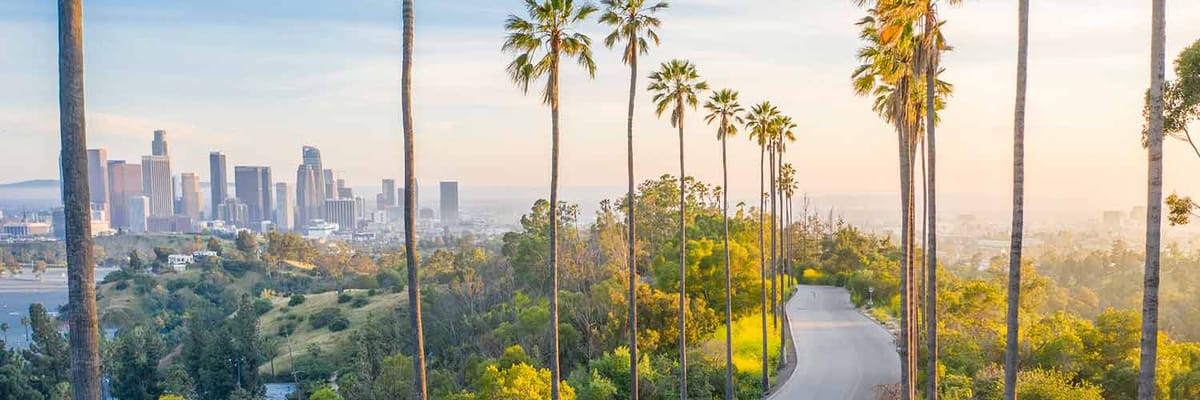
column 258, row 82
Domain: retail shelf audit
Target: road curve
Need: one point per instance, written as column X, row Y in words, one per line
column 840, row 353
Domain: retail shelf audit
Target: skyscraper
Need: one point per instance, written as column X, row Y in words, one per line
column 285, row 207
column 309, row 194
column 389, row 192
column 124, row 181
column 449, row 203
column 342, row 212
column 156, row 185
column 253, row 187
column 330, row 179
column 139, row 212
column 159, row 146
column 219, row 180
column 312, row 158
column 190, row 195
column 234, row 212
column 98, row 177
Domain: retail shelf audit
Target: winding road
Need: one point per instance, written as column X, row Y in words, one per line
column 841, row 353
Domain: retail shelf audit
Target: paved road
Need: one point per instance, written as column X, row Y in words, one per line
column 841, row 353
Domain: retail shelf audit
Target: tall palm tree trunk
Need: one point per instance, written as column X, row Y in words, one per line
column 774, row 252
column 84, row 338
column 777, row 213
column 682, row 262
column 632, row 256
column 762, row 261
column 555, row 373
column 728, row 275
column 1149, row 343
column 906, row 350
column 1018, row 210
column 410, row 209
column 931, row 285
column 913, row 308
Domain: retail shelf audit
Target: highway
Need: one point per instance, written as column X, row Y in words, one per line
column 841, row 353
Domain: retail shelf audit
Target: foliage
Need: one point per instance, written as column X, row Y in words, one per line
column 325, row 393
column 295, row 300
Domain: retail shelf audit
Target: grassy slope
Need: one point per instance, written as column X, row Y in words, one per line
column 305, row 336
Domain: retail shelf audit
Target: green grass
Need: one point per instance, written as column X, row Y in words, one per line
column 304, row 336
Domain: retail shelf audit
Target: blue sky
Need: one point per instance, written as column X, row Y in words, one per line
column 259, row 79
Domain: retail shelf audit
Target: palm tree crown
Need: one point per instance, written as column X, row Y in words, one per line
column 633, row 22
column 761, row 123
column 539, row 42
column 724, row 109
column 676, row 85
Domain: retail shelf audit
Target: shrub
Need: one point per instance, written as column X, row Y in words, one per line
column 297, row 299
column 287, row 328
column 261, row 306
column 325, row 317
column 359, row 302
column 122, row 285
column 372, row 292
column 339, row 324
column 344, row 298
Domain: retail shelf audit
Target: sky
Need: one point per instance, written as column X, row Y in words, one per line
column 259, row 79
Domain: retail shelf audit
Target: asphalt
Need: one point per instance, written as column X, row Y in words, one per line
column 840, row 354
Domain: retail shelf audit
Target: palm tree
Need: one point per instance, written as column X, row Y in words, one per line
column 784, row 132
column 760, row 123
column 84, row 338
column 4, row 328
column 25, row 324
column 539, row 43
column 633, row 22
column 724, row 109
column 1149, row 343
column 1018, row 210
column 676, row 85
column 887, row 75
column 410, row 208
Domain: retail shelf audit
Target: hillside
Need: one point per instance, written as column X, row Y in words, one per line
column 304, row 335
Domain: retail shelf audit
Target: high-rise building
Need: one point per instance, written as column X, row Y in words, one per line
column 253, row 187
column 449, row 203
column 389, row 193
column 343, row 213
column 219, row 180
column 159, row 146
column 98, row 177
column 330, row 179
column 234, row 212
column 360, row 208
column 309, row 194
column 190, row 195
column 285, row 207
column 156, row 185
column 124, row 181
column 312, row 158
column 138, row 213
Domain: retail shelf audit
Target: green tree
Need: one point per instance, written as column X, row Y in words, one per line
column 48, row 357
column 633, row 22
column 246, row 243
column 677, row 86
column 724, row 109
column 519, row 382
column 325, row 393
column 81, row 307
column 410, row 208
column 539, row 43
column 135, row 265
column 214, row 245
column 14, row 379
column 135, row 363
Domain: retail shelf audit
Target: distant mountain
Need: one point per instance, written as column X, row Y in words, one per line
column 32, row 184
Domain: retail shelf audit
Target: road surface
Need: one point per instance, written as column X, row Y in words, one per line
column 841, row 354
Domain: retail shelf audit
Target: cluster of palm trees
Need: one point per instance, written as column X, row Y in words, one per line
column 903, row 45
column 548, row 34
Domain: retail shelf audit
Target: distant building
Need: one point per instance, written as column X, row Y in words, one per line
column 449, row 203
column 180, row 262
column 342, row 212
column 330, row 179
column 189, row 186
column 320, row 229
column 309, row 198
column 426, row 213
column 219, row 177
column 312, row 158
column 124, row 181
column 285, row 207
column 138, row 209
column 98, row 176
column 159, row 146
column 170, row 223
column 156, row 185
column 360, row 208
column 26, row 229
column 1114, row 219
column 344, row 192
column 389, row 193
column 234, row 212
column 253, row 187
